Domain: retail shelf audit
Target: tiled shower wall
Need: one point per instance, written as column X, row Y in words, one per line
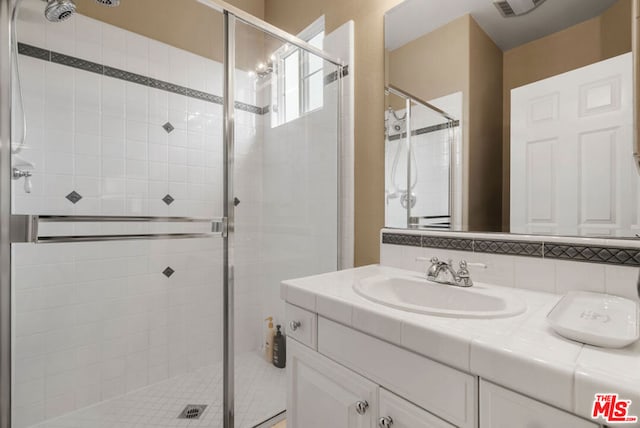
column 104, row 137
column 299, row 208
column 95, row 320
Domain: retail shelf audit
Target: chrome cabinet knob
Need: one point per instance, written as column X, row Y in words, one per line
column 385, row 422
column 361, row 407
column 294, row 325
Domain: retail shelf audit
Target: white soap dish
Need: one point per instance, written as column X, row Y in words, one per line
column 596, row 319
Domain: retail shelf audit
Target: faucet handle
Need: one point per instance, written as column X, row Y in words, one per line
column 432, row 260
column 465, row 264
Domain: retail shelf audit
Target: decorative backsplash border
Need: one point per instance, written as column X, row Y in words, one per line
column 606, row 254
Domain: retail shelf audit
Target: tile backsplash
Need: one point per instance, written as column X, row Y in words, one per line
column 543, row 263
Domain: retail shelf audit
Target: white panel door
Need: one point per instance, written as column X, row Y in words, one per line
column 322, row 393
column 572, row 171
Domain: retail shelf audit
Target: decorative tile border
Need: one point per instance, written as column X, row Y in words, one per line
column 514, row 248
column 333, row 76
column 459, row 244
column 426, row 130
column 594, row 254
column 400, row 239
column 116, row 73
column 550, row 250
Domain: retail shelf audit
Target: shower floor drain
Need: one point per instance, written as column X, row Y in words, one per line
column 192, row 411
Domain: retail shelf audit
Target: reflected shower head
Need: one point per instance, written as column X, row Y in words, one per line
column 59, row 10
column 110, row 3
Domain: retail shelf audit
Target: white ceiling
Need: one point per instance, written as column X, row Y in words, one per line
column 414, row 18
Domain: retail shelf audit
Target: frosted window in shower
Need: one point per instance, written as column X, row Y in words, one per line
column 291, row 86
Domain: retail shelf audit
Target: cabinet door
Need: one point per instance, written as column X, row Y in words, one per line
column 402, row 414
column 502, row 408
column 322, row 393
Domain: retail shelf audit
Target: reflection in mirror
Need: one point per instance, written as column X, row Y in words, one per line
column 543, row 111
column 422, row 161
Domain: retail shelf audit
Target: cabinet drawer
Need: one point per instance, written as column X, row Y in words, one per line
column 446, row 392
column 404, row 414
column 502, row 408
column 302, row 326
column 323, row 394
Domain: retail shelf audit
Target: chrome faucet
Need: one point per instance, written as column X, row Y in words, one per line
column 443, row 272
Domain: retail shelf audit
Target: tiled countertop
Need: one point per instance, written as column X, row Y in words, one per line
column 521, row 352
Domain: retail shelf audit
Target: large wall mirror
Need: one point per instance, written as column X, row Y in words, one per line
column 513, row 116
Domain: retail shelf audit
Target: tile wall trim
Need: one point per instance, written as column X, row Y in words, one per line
column 427, row 130
column 116, row 73
column 332, row 77
column 93, row 67
column 623, row 255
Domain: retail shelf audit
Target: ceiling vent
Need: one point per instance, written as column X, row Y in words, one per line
column 511, row 8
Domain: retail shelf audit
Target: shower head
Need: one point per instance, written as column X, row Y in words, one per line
column 59, row 10
column 110, row 3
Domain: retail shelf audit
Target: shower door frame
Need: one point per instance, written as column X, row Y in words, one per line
column 231, row 14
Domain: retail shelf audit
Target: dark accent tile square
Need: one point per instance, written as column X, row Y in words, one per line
column 168, row 199
column 168, row 127
column 168, row 272
column 74, row 197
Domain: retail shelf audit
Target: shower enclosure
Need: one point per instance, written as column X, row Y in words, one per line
column 162, row 168
column 422, row 152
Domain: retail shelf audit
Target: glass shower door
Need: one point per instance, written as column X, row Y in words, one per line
column 117, row 295
column 285, row 189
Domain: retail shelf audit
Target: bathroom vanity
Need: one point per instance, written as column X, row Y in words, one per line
column 353, row 362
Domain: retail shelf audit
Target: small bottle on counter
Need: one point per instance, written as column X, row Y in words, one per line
column 279, row 349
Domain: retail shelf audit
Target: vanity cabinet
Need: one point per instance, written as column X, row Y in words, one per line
column 354, row 380
column 500, row 407
column 397, row 412
column 323, row 394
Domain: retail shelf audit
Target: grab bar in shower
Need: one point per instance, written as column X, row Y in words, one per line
column 26, row 228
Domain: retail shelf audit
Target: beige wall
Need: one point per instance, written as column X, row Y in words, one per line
column 295, row 15
column 483, row 158
column 442, row 55
column 185, row 24
column 460, row 57
column 591, row 41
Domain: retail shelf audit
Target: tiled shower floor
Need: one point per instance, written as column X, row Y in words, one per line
column 260, row 394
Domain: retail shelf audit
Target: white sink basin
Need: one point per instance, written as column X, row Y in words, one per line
column 416, row 294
